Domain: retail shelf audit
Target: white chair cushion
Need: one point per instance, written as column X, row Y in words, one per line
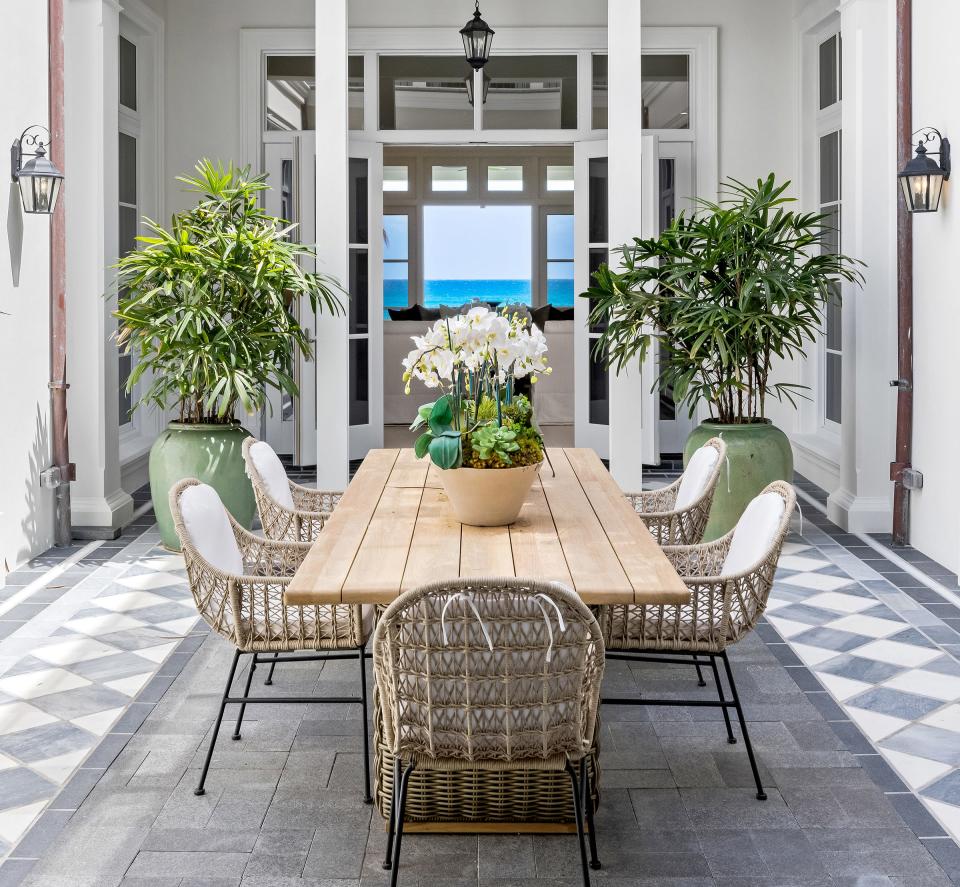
column 208, row 527
column 754, row 534
column 272, row 473
column 695, row 477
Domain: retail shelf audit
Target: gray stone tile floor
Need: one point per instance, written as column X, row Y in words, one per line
column 850, row 690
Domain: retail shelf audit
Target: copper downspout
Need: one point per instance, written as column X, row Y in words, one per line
column 58, row 281
column 904, row 446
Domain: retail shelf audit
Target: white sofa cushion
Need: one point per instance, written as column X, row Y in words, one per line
column 272, row 473
column 208, row 527
column 695, row 476
column 754, row 534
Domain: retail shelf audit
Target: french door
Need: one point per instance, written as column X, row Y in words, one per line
column 365, row 285
column 636, row 406
column 289, row 423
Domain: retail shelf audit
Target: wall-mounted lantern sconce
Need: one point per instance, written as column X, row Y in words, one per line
column 38, row 178
column 921, row 180
column 477, row 36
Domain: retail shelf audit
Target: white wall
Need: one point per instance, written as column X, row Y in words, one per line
column 203, row 78
column 440, row 13
column 757, row 109
column 26, row 511
column 935, row 516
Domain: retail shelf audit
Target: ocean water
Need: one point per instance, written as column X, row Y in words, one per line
column 459, row 292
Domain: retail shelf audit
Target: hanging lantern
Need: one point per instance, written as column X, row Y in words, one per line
column 477, row 36
column 38, row 178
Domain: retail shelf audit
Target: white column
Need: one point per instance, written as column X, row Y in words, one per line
column 333, row 419
column 630, row 424
column 862, row 503
column 91, row 109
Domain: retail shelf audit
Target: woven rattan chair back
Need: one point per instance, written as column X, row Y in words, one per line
column 533, row 699
column 670, row 525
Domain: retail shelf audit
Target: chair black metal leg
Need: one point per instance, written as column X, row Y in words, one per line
column 199, row 790
column 391, row 824
column 401, row 808
column 367, row 797
column 588, row 809
column 726, row 714
column 268, row 681
column 761, row 794
column 578, row 814
column 700, row 681
column 246, row 693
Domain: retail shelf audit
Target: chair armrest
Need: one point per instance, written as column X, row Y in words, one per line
column 316, row 501
column 267, row 557
column 655, row 502
column 703, row 560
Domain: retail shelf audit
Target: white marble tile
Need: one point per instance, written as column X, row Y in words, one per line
column 162, row 563
column 32, row 684
column 842, row 688
column 787, row 628
column 178, row 627
column 837, row 602
column 927, row 683
column 146, row 581
column 15, row 821
column 876, row 726
column 15, row 716
column 798, row 562
column 100, row 625
column 130, row 600
column 812, row 656
column 896, row 653
column 130, row 686
column 870, row 626
column 8, row 763
column 73, row 650
column 156, row 654
column 915, row 771
column 58, row 769
column 947, row 814
column 946, row 718
column 99, row 722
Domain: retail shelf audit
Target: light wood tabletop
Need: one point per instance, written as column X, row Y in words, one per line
column 394, row 530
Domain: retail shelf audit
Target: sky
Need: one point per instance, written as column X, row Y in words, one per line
column 477, row 242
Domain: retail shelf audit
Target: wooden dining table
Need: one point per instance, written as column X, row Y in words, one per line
column 394, row 530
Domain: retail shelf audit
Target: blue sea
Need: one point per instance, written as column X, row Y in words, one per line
column 459, row 292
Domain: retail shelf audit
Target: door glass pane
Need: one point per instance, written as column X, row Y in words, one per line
column 396, row 236
column 359, row 290
column 128, row 169
column 290, row 93
column 449, row 178
column 128, row 229
column 531, row 92
column 477, row 253
column 396, row 268
column 504, row 178
column 834, row 375
column 831, row 240
column 598, row 200
column 830, row 167
column 666, row 91
column 559, row 178
column 128, row 74
column 599, row 92
column 359, row 369
column 425, row 92
column 668, row 192
column 358, row 200
column 560, row 284
column 834, row 322
column 396, row 286
column 599, row 390
column 598, row 256
column 396, row 178
column 560, row 236
column 829, row 72
column 355, row 91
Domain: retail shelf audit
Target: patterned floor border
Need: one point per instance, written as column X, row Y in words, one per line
column 838, row 556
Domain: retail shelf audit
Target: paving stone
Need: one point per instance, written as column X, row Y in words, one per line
column 201, row 863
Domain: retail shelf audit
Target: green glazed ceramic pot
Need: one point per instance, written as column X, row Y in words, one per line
column 757, row 454
column 210, row 453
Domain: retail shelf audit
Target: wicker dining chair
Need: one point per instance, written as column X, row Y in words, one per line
column 677, row 514
column 489, row 674
column 237, row 580
column 729, row 580
column 287, row 510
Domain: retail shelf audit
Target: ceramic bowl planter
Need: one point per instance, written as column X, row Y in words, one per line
column 211, row 453
column 758, row 453
column 488, row 497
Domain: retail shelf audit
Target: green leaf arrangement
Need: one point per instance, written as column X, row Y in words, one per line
column 207, row 305
column 723, row 292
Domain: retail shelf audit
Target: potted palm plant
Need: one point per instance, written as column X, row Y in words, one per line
column 207, row 309
column 723, row 293
column 479, row 432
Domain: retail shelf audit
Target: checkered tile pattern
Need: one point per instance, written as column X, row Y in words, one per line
column 871, row 648
column 69, row 673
